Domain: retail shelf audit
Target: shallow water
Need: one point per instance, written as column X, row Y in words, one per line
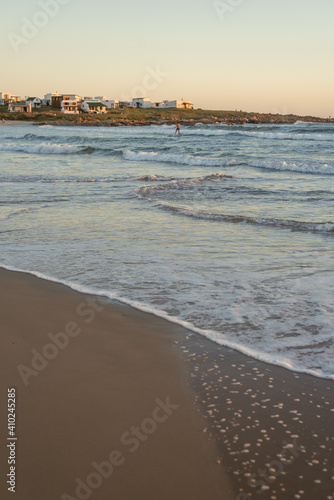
column 227, row 230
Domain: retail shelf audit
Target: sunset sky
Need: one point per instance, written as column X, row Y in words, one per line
column 256, row 55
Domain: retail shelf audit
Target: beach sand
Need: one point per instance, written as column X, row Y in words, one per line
column 233, row 427
column 121, row 371
column 17, row 122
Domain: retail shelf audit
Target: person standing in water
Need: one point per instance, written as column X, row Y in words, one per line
column 177, row 130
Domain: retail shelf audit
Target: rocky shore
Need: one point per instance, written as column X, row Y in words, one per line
column 140, row 118
column 255, row 119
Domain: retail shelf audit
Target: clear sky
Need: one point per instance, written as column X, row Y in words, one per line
column 256, row 55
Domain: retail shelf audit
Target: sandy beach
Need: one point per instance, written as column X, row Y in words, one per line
column 116, row 403
column 115, row 398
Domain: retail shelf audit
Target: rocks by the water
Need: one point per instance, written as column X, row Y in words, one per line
column 230, row 119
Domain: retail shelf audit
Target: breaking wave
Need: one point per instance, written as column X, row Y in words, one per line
column 173, row 158
column 44, row 148
column 321, row 168
column 323, row 227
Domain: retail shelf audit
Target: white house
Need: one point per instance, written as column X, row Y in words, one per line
column 69, row 106
column 93, row 107
column 35, row 102
column 110, row 103
column 19, row 108
column 159, row 104
column 74, row 97
column 141, row 102
column 46, row 101
column 100, row 98
column 6, row 98
column 179, row 104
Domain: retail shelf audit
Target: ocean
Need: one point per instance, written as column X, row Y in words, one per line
column 226, row 230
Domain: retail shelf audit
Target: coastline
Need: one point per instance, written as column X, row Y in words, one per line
column 142, row 117
column 268, row 427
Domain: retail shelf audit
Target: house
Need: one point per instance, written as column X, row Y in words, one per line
column 159, row 104
column 5, row 98
column 93, row 107
column 56, row 99
column 179, row 104
column 99, row 98
column 15, row 98
column 46, row 101
column 19, row 107
column 111, row 104
column 69, row 106
column 35, row 102
column 141, row 102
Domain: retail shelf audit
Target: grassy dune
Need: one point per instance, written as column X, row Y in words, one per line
column 142, row 116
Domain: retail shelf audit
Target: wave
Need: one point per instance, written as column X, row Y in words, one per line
column 148, row 191
column 291, row 137
column 323, row 227
column 23, row 211
column 320, row 168
column 210, row 334
column 182, row 159
column 152, row 178
column 44, row 148
column 52, row 180
column 173, row 158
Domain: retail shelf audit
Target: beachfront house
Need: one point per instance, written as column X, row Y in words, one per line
column 46, row 101
column 7, row 98
column 69, row 106
column 35, row 102
column 15, row 107
column 93, row 107
column 159, row 104
column 4, row 98
column 179, row 104
column 110, row 103
column 141, row 102
column 57, row 99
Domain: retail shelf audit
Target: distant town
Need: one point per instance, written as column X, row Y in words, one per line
column 73, row 104
column 72, row 109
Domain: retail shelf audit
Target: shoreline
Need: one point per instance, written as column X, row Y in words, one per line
column 243, row 351
column 102, row 398
column 268, row 427
column 140, row 118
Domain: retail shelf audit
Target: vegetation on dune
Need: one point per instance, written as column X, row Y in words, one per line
column 147, row 116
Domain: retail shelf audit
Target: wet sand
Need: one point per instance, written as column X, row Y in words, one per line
column 273, row 427
column 105, row 415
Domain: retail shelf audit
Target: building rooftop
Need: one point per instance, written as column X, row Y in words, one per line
column 94, row 103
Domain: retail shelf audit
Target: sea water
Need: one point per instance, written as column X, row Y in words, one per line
column 227, row 230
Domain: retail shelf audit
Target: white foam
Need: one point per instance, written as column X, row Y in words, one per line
column 181, row 159
column 173, row 158
column 44, row 148
column 210, row 334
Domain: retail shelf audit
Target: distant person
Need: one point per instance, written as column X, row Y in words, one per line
column 177, row 130
column 3, row 121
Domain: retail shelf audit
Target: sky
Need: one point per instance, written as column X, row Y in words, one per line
column 272, row 56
